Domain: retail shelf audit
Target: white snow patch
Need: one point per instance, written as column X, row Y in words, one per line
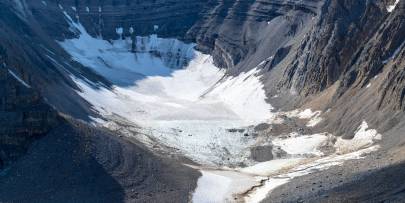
column 19, row 79
column 119, row 31
column 391, row 8
column 314, row 121
column 60, row 6
column 252, row 105
column 73, row 8
column 260, row 194
column 155, row 27
column 218, row 186
column 313, row 116
column 270, row 167
column 44, row 3
column 363, row 138
column 87, row 9
column 296, row 144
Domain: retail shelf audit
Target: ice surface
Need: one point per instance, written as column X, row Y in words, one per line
column 175, row 93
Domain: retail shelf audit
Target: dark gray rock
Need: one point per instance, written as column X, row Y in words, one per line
column 262, row 153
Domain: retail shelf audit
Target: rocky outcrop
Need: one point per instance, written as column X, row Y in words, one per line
column 330, row 49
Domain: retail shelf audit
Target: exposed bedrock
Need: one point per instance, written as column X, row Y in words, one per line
column 242, row 33
column 102, row 18
column 24, row 117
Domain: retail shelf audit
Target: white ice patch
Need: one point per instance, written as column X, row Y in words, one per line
column 391, row 8
column 176, row 94
column 363, row 138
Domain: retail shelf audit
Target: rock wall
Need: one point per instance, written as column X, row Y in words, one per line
column 102, row 18
column 24, row 117
column 240, row 34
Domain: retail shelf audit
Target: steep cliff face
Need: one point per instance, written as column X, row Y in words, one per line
column 241, row 34
column 24, row 117
column 333, row 45
column 103, row 18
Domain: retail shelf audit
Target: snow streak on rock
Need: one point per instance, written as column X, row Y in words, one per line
column 391, row 8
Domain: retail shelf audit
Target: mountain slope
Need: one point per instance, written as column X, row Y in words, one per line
column 75, row 78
